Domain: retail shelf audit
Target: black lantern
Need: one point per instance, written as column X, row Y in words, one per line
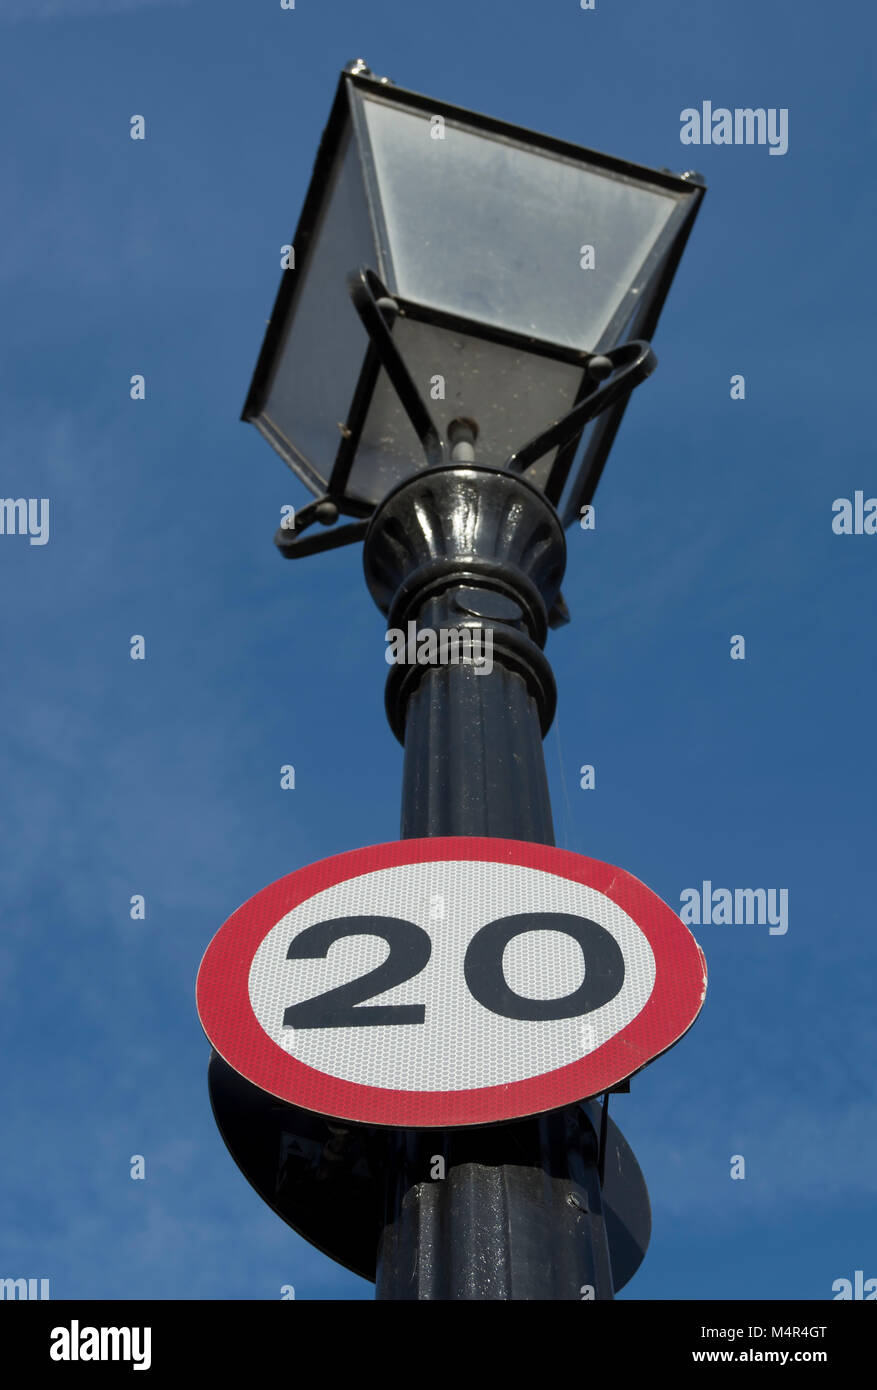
column 495, row 271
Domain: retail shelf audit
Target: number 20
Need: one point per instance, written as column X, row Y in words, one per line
column 410, row 950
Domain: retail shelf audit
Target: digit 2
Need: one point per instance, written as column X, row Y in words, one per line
column 342, row 1007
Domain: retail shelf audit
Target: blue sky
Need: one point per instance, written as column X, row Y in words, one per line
column 161, row 777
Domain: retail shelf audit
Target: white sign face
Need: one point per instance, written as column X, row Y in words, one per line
column 448, row 981
column 451, row 901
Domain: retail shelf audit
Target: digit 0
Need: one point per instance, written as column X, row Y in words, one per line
column 485, row 977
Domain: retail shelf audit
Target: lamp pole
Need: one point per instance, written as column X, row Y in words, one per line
column 506, row 1191
column 511, row 1211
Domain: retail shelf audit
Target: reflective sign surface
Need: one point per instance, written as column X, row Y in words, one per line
column 448, row 981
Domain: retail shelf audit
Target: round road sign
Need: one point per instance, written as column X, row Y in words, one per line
column 448, row 981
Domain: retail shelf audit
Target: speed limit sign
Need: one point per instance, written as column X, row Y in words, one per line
column 448, row 981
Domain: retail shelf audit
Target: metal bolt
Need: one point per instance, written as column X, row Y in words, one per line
column 600, row 367
column 461, row 437
column 388, row 307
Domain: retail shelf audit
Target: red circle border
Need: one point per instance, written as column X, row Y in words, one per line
column 226, row 1014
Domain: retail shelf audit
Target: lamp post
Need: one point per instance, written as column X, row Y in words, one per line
column 467, row 310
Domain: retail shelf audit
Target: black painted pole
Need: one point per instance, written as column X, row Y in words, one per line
column 511, row 1211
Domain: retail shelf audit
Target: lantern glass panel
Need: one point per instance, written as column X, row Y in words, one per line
column 492, row 229
column 319, row 358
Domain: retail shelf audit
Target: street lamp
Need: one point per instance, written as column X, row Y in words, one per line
column 467, row 308
column 495, row 272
